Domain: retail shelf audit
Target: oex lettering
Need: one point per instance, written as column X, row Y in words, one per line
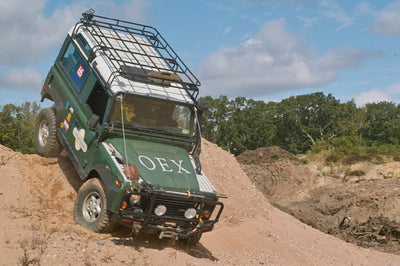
column 163, row 163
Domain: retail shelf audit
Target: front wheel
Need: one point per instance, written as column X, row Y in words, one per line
column 91, row 207
column 194, row 238
column 46, row 141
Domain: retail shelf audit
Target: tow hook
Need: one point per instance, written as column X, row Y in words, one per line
column 136, row 227
column 196, row 228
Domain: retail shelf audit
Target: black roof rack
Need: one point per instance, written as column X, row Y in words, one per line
column 173, row 71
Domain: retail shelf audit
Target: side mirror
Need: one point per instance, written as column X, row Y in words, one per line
column 93, row 120
column 202, row 107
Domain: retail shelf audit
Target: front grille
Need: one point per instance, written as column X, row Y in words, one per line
column 174, row 208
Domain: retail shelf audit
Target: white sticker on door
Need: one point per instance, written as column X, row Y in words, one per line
column 79, row 139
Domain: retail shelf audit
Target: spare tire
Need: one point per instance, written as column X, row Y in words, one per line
column 46, row 141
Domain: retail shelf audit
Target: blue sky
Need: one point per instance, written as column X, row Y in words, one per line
column 260, row 49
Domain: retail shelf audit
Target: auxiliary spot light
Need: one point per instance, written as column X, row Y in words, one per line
column 160, row 210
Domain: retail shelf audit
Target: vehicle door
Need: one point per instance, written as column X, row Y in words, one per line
column 77, row 113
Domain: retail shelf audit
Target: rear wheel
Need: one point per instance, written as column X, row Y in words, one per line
column 91, row 207
column 46, row 141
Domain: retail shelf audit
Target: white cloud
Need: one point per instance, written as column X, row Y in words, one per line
column 387, row 22
column 29, row 34
column 274, row 61
column 394, row 89
column 389, row 94
column 372, row 96
column 27, row 79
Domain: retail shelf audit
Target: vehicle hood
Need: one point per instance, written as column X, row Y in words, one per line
column 165, row 166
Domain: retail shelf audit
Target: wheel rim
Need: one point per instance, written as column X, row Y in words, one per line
column 43, row 132
column 92, row 207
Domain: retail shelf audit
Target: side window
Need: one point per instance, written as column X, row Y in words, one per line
column 97, row 101
column 75, row 67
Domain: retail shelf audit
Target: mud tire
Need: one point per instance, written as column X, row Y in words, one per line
column 46, row 141
column 90, row 209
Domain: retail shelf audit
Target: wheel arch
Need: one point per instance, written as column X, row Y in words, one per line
column 100, row 172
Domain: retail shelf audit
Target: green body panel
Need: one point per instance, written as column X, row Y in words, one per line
column 159, row 164
column 73, row 113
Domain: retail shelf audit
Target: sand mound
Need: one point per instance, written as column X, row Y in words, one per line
column 265, row 155
column 36, row 205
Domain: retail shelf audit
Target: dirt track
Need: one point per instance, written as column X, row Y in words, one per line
column 37, row 226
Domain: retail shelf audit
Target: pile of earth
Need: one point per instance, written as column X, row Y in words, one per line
column 265, row 155
column 37, row 197
column 364, row 211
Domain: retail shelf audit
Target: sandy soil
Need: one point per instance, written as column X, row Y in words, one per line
column 362, row 209
column 36, row 227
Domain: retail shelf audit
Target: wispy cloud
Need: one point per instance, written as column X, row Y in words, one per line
column 333, row 11
column 308, row 22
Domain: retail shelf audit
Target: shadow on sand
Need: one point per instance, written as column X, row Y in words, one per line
column 123, row 236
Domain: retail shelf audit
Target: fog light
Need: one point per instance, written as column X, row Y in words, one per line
column 134, row 198
column 160, row 210
column 190, row 213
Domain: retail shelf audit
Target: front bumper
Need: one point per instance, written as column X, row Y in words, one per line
column 141, row 216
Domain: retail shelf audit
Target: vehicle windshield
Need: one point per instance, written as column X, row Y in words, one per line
column 149, row 113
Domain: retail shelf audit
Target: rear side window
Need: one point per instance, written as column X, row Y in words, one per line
column 75, row 66
column 83, row 43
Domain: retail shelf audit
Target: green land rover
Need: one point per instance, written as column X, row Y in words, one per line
column 126, row 113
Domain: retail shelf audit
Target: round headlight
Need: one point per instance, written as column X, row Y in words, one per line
column 190, row 213
column 160, row 210
column 134, row 198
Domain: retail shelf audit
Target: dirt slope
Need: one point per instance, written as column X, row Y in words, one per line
column 364, row 209
column 36, row 226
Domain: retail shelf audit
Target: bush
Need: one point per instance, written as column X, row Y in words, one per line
column 333, row 158
column 356, row 173
column 355, row 157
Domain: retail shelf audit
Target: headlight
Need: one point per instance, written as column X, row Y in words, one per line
column 190, row 213
column 160, row 210
column 134, row 198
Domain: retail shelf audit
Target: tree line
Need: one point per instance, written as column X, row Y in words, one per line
column 299, row 123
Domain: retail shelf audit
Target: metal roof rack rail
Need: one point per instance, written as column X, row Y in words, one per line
column 163, row 67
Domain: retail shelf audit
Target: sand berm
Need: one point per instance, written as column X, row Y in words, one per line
column 37, row 196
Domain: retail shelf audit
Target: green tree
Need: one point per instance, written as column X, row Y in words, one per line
column 382, row 123
column 239, row 124
column 17, row 125
column 305, row 119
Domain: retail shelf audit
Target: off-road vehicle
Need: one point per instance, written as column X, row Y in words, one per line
column 126, row 113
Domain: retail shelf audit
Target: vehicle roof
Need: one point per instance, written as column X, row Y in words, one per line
column 134, row 58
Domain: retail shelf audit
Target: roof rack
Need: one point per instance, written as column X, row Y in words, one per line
column 151, row 61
